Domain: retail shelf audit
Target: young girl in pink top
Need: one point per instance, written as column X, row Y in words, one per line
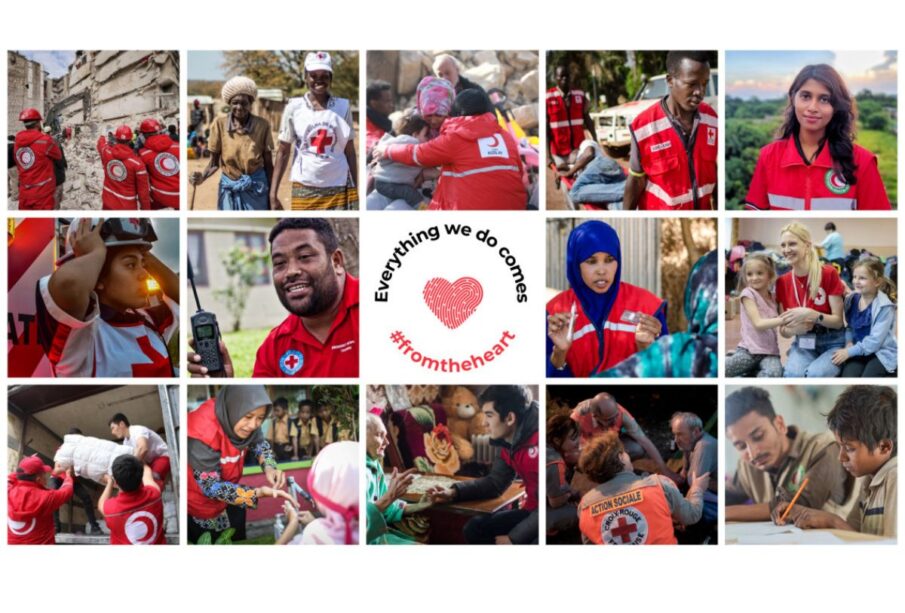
column 757, row 353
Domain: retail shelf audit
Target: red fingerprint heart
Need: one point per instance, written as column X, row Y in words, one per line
column 453, row 303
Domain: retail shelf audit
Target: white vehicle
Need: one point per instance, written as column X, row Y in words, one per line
column 613, row 123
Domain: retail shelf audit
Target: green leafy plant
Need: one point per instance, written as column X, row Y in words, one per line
column 243, row 267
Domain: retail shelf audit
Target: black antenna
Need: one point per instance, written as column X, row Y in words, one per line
column 192, row 281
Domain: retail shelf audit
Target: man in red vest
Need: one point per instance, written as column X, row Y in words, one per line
column 567, row 119
column 32, row 505
column 674, row 143
column 626, row 509
column 126, row 186
column 160, row 155
column 135, row 515
column 34, row 152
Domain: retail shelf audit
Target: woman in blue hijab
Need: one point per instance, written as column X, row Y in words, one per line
column 600, row 321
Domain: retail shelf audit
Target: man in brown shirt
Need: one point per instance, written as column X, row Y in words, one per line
column 776, row 458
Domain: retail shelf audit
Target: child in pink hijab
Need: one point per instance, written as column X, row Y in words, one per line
column 333, row 483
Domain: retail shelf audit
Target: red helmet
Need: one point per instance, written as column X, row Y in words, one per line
column 150, row 126
column 123, row 133
column 30, row 115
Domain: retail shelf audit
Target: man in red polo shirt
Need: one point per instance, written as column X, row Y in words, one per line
column 32, row 505
column 135, row 515
column 320, row 336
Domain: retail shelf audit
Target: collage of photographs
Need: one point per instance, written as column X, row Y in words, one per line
column 187, row 229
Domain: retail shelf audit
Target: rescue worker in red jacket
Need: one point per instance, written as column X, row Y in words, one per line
column 160, row 155
column 601, row 320
column 567, row 119
column 220, row 434
column 479, row 161
column 674, row 142
column 511, row 416
column 126, row 185
column 626, row 509
column 32, row 505
column 35, row 152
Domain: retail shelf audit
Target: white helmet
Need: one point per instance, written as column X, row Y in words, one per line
column 116, row 232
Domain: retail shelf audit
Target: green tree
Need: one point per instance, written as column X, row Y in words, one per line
column 243, row 267
column 285, row 70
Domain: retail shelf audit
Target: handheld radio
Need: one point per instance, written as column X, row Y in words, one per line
column 206, row 333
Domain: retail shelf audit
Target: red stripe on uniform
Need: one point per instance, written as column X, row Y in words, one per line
column 60, row 336
column 31, row 238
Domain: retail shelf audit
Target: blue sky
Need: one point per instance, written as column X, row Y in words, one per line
column 206, row 66
column 55, row 63
column 768, row 74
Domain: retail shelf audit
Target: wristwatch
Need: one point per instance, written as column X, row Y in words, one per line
column 820, row 318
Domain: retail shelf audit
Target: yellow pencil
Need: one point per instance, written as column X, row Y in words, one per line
column 782, row 519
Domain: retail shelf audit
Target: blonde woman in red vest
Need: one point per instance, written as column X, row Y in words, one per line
column 568, row 117
column 221, row 432
column 815, row 164
column 600, row 321
column 626, row 509
column 674, row 142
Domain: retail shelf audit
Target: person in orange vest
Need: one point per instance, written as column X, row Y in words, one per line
column 567, row 119
column 672, row 163
column 161, row 158
column 126, row 185
column 626, row 509
column 35, row 152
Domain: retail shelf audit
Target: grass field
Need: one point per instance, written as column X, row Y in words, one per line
column 243, row 346
column 884, row 145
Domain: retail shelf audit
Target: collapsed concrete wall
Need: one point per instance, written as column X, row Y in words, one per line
column 101, row 91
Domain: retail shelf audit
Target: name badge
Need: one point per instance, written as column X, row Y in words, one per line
column 807, row 341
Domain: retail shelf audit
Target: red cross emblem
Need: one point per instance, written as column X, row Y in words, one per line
column 624, row 530
column 321, row 140
column 291, row 362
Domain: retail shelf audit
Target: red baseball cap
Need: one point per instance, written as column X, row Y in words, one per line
column 33, row 465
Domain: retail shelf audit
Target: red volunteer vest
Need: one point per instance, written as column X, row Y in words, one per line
column 674, row 183
column 525, row 461
column 126, row 186
column 637, row 516
column 163, row 171
column 586, row 357
column 566, row 123
column 33, row 152
column 135, row 518
column 587, row 429
column 204, row 426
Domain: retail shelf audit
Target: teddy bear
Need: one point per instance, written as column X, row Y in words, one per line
column 464, row 419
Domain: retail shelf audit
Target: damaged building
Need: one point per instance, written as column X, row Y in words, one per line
column 100, row 91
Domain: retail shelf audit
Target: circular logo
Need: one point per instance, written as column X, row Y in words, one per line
column 292, row 362
column 19, row 527
column 532, row 452
column 141, row 528
column 26, row 157
column 820, row 300
column 166, row 164
column 116, row 170
column 626, row 526
column 835, row 182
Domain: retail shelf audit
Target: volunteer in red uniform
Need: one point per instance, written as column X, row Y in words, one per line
column 160, row 155
column 600, row 321
column 480, row 166
column 626, row 509
column 674, row 142
column 511, row 416
column 810, row 301
column 34, row 152
column 95, row 314
column 31, row 505
column 126, row 186
column 319, row 338
column 815, row 165
column 568, row 117
column 220, row 433
column 135, row 515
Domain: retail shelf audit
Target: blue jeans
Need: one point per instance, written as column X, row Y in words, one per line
column 815, row 362
column 601, row 182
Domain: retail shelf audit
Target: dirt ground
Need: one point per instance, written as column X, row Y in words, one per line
column 206, row 195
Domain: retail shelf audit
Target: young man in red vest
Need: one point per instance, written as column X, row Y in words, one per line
column 126, row 185
column 135, row 515
column 626, row 509
column 674, row 143
column 32, row 505
column 511, row 416
column 35, row 152
column 567, row 119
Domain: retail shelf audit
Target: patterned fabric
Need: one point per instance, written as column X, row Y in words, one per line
column 434, row 96
column 340, row 198
column 684, row 354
